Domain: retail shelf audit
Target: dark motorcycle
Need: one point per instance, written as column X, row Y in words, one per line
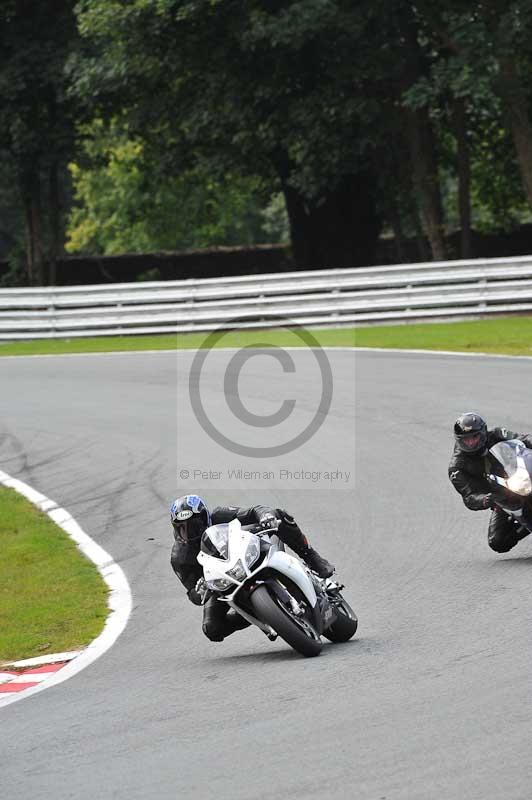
column 511, row 477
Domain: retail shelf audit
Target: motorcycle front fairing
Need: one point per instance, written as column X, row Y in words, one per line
column 236, row 571
column 514, row 460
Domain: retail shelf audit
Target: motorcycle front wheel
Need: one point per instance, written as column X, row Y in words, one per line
column 296, row 631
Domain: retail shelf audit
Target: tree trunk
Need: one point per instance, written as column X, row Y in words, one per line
column 426, row 179
column 340, row 229
column 55, row 224
column 31, row 194
column 421, row 241
column 464, row 177
column 398, row 233
column 515, row 104
column 421, row 143
column 30, row 265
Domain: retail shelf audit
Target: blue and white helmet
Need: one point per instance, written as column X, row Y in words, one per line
column 190, row 518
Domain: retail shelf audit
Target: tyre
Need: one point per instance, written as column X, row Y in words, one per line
column 345, row 626
column 296, row 631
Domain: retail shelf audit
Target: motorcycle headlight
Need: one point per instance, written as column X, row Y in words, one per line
column 219, row 584
column 252, row 553
column 238, row 572
column 520, row 483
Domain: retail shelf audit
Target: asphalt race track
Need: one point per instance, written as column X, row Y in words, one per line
column 433, row 697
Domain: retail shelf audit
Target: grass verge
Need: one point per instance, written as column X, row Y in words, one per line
column 505, row 335
column 52, row 599
column 509, row 335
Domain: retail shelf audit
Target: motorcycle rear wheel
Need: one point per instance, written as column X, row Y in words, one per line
column 299, row 635
column 345, row 626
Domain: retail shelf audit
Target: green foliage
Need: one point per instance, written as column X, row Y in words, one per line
column 125, row 203
column 12, row 238
column 37, row 124
column 274, row 90
column 186, row 121
column 497, row 194
column 256, row 84
column 466, row 43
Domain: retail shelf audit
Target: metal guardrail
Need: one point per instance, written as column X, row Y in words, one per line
column 364, row 295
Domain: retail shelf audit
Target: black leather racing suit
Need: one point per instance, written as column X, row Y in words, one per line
column 219, row 620
column 467, row 474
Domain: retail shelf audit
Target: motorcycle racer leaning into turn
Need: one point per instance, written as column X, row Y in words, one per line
column 468, row 469
column 190, row 517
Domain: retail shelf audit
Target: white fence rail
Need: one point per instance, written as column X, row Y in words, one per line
column 320, row 297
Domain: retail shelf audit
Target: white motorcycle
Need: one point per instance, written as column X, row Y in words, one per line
column 249, row 570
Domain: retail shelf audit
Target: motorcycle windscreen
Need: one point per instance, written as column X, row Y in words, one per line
column 215, row 541
column 505, row 455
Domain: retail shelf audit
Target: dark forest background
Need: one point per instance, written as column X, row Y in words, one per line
column 315, row 133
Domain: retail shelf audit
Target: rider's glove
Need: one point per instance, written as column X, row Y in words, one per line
column 268, row 521
column 197, row 594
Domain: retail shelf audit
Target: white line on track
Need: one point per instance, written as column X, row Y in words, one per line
column 330, row 348
column 456, row 353
column 119, row 601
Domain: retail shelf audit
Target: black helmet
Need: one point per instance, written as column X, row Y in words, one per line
column 471, row 432
column 190, row 517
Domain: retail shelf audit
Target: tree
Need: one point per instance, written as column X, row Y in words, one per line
column 37, row 126
column 412, row 68
column 482, row 68
column 272, row 89
column 125, row 203
column 412, row 115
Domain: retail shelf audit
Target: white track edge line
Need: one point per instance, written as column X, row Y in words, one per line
column 119, row 600
column 329, row 348
column 456, row 353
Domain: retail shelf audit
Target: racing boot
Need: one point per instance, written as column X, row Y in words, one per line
column 234, row 622
column 521, row 531
column 291, row 534
column 316, row 562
